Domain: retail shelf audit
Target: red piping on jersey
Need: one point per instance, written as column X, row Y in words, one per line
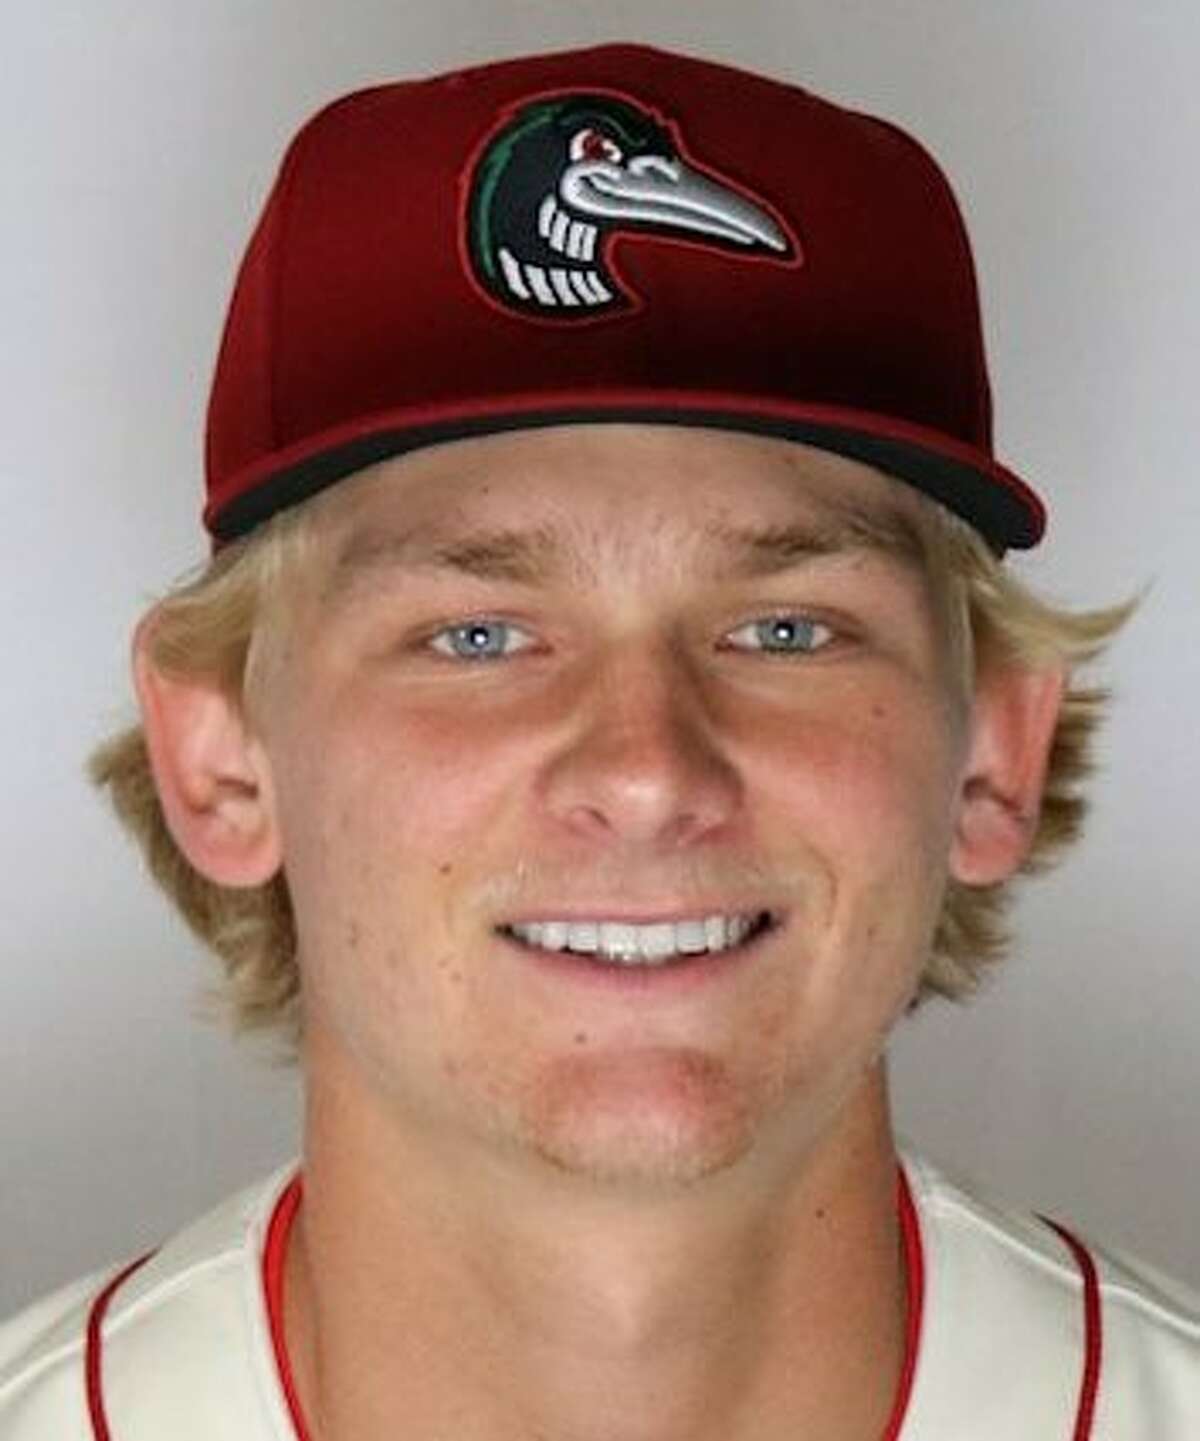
column 275, row 1257
column 914, row 1267
column 93, row 1380
column 1093, row 1332
column 274, row 1260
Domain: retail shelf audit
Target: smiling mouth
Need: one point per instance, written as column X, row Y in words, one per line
column 653, row 947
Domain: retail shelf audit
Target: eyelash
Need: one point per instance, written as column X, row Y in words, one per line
column 805, row 622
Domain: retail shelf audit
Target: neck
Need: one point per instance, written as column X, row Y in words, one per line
column 438, row 1292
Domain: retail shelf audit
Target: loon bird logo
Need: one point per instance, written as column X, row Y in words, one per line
column 566, row 173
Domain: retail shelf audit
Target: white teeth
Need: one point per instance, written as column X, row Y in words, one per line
column 583, row 937
column 691, row 937
column 618, row 940
column 637, row 945
column 655, row 943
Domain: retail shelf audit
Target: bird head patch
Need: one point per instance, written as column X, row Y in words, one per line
column 562, row 176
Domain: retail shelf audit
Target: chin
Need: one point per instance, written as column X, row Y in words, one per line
column 655, row 1118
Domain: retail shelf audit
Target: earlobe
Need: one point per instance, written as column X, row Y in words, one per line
column 211, row 774
column 1014, row 716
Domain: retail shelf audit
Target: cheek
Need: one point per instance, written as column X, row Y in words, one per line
column 437, row 755
column 870, row 804
column 874, row 778
column 384, row 814
column 369, row 780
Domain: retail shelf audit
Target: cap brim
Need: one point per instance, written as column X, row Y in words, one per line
column 964, row 478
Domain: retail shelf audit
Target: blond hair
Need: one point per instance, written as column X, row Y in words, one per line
column 217, row 626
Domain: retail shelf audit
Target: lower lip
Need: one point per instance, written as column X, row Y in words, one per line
column 675, row 977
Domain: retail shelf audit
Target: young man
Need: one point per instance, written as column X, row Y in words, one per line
column 605, row 715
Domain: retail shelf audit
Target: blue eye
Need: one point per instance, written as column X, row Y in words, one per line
column 788, row 634
column 486, row 639
column 475, row 640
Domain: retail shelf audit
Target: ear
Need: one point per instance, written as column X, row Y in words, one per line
column 211, row 774
column 1013, row 719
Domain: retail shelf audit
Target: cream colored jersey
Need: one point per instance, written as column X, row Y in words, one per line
column 1017, row 1331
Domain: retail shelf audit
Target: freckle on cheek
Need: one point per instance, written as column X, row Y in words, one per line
column 445, row 868
column 444, row 965
column 772, row 1026
column 581, row 1038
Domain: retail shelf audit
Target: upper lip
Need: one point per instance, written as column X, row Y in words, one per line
column 622, row 915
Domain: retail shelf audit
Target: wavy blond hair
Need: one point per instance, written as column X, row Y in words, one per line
column 218, row 626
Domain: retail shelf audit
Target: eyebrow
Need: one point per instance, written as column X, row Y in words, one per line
column 537, row 556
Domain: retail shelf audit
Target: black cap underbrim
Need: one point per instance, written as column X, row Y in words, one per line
column 972, row 485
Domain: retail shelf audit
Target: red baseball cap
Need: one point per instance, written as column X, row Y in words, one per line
column 611, row 234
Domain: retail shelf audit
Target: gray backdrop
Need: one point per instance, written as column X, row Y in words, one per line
column 138, row 141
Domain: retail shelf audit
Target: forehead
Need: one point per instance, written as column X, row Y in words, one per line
column 537, row 499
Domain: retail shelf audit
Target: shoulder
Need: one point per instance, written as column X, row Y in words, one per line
column 1017, row 1295
column 41, row 1365
column 96, row 1342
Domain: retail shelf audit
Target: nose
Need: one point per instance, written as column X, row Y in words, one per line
column 643, row 763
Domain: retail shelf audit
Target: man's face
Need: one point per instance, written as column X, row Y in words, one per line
column 641, row 728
